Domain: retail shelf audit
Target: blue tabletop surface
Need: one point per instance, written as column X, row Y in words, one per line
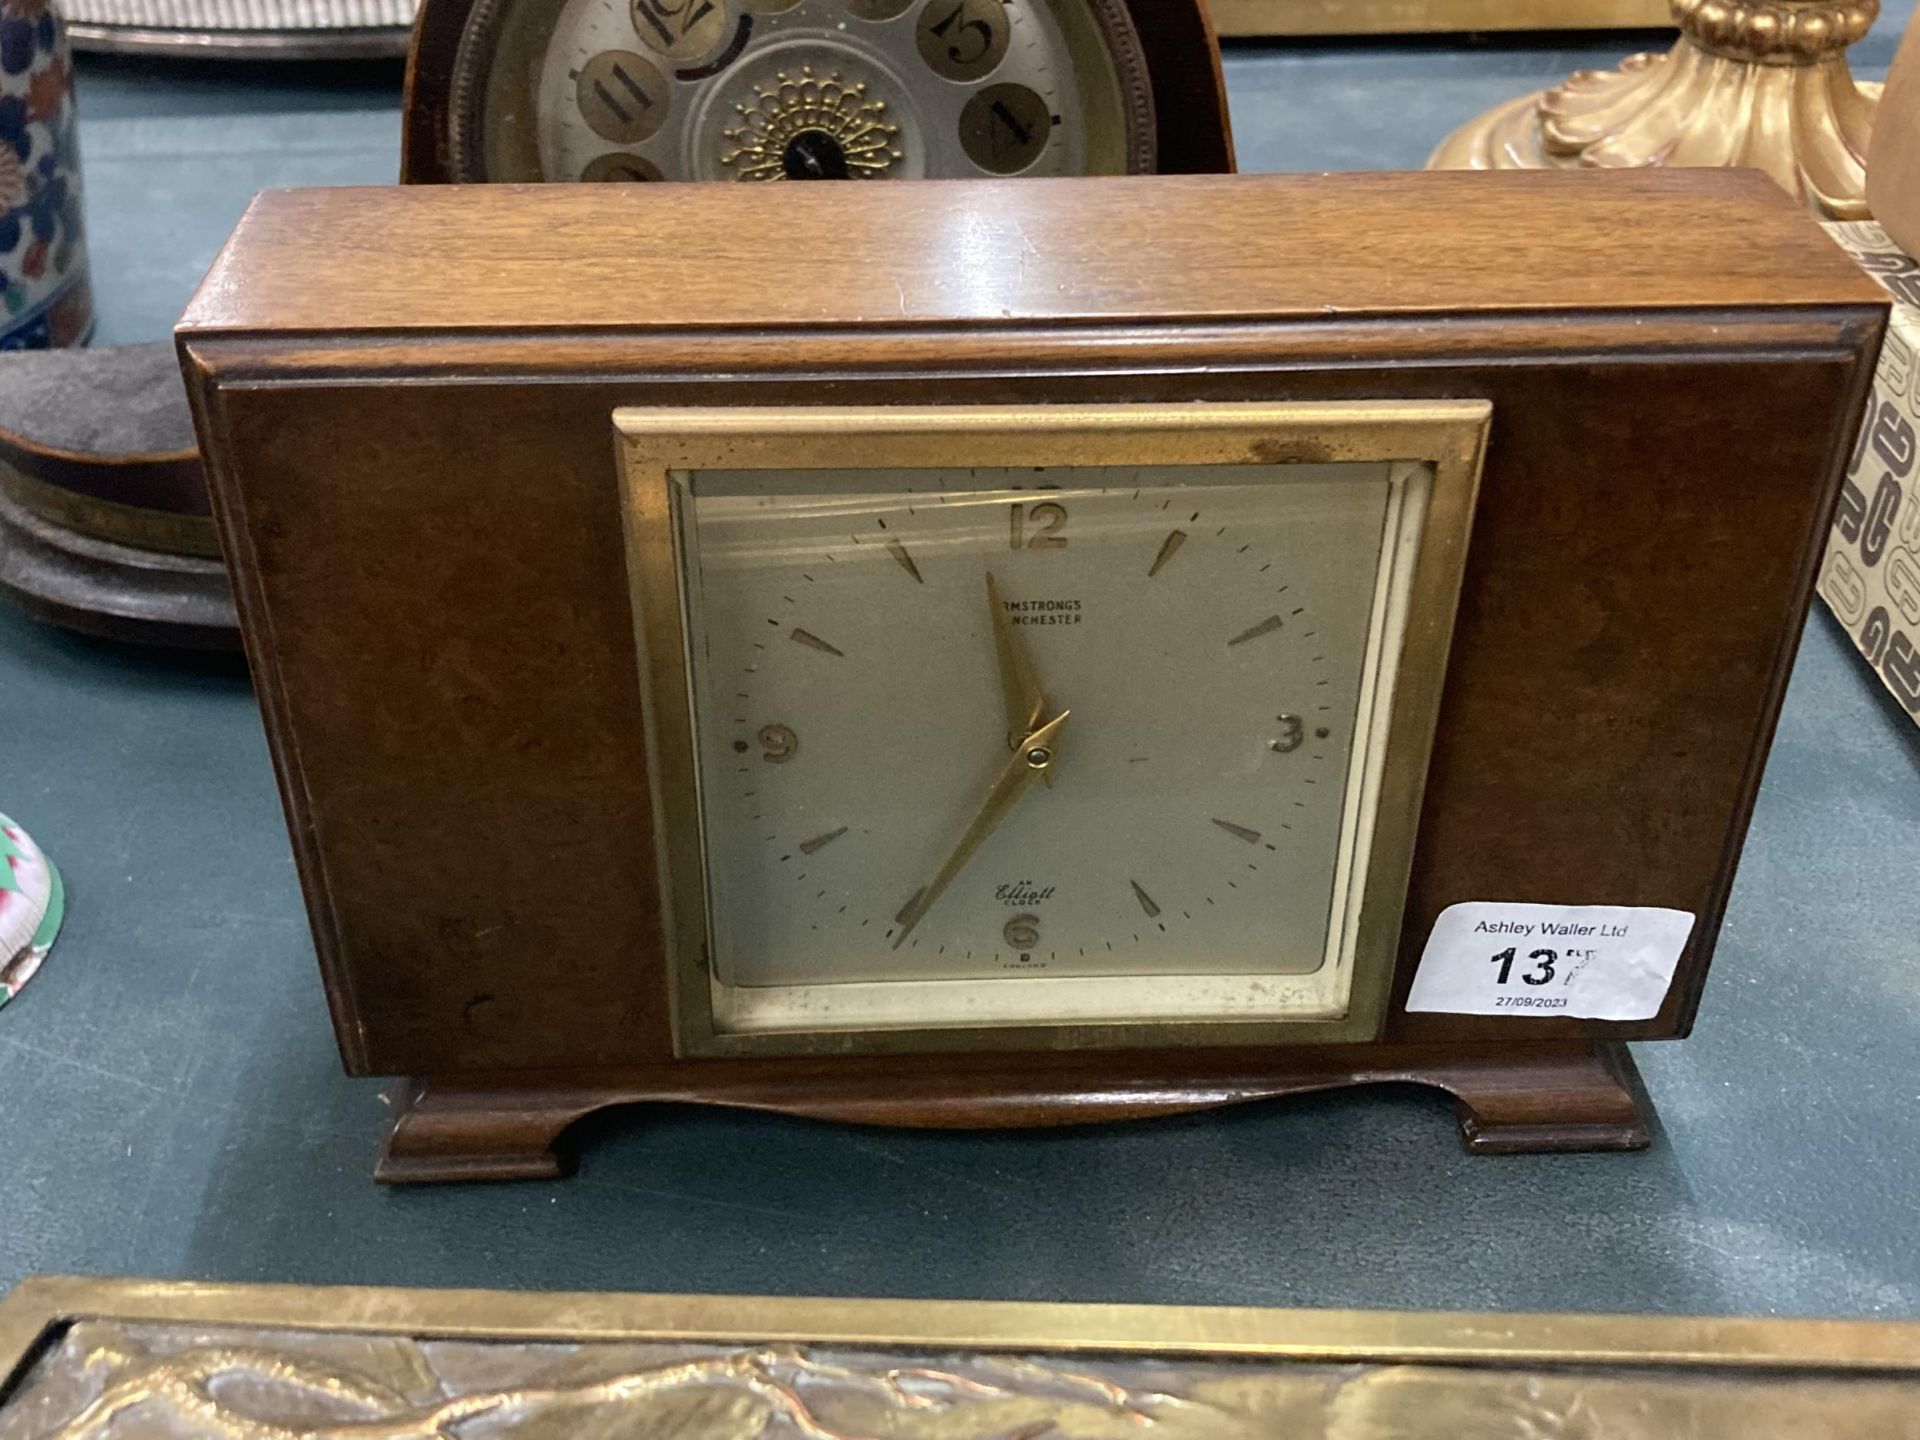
column 171, row 1104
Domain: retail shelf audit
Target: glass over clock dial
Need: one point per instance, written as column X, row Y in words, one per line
column 777, row 90
column 1119, row 732
column 1075, row 721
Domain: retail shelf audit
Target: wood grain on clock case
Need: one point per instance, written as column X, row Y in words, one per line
column 1192, row 133
column 410, row 452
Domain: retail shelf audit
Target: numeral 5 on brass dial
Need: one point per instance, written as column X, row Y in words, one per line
column 963, row 39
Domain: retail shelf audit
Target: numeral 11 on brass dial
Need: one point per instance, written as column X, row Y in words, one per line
column 622, row 96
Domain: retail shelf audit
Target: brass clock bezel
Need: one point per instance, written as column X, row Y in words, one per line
column 1444, row 439
column 497, row 41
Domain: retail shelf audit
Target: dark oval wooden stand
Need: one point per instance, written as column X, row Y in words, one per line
column 104, row 522
column 1565, row 1097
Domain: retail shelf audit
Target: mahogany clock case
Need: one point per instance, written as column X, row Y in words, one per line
column 1192, row 135
column 410, row 447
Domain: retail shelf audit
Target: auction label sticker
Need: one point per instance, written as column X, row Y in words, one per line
column 1596, row 962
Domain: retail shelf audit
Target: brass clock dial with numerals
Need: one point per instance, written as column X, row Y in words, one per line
column 806, row 90
column 648, row 90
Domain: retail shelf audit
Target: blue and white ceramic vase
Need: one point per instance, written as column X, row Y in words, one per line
column 45, row 296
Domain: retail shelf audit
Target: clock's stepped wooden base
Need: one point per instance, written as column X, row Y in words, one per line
column 1537, row 1099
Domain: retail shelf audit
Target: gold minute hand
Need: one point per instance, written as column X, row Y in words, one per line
column 1026, row 765
column 1018, row 684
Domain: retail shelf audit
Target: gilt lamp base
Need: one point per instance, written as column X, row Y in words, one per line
column 1749, row 83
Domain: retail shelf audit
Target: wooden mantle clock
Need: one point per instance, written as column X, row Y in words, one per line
column 1009, row 653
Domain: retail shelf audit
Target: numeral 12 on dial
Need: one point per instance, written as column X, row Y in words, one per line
column 1051, row 518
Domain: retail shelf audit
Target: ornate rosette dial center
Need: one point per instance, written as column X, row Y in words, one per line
column 804, row 126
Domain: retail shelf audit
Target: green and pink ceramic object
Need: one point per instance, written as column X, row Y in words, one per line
column 32, row 901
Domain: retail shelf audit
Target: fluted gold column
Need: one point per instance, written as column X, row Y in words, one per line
column 1750, row 82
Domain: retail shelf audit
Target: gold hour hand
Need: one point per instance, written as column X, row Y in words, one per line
column 1018, row 684
column 1023, row 767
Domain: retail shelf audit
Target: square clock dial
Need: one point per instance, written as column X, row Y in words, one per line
column 1000, row 720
